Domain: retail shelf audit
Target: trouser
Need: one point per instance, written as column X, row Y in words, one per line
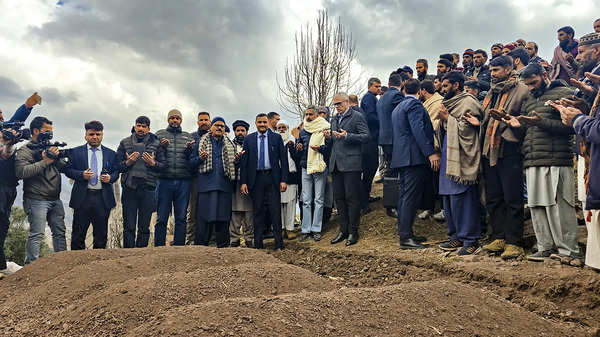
column 138, row 206
column 7, row 198
column 266, row 196
column 431, row 190
column 191, row 212
column 556, row 225
column 592, row 252
column 504, row 198
column 92, row 211
column 171, row 194
column 288, row 215
column 462, row 216
column 204, row 230
column 411, row 181
column 370, row 162
column 387, row 159
column 347, row 192
column 241, row 221
column 38, row 213
column 313, row 192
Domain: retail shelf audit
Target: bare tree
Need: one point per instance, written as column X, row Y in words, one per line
column 322, row 65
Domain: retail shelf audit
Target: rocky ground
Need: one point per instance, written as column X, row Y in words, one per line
column 309, row 289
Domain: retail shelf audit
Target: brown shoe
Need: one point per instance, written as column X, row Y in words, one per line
column 496, row 246
column 512, row 252
column 291, row 235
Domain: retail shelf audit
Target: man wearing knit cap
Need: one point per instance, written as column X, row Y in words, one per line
column 496, row 50
column 241, row 208
column 468, row 62
column 173, row 188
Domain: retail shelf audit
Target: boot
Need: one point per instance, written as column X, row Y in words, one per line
column 496, row 246
column 512, row 252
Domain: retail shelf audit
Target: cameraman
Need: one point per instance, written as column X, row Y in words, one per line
column 8, row 192
column 41, row 189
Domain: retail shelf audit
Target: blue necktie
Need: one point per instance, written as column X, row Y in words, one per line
column 94, row 167
column 261, row 153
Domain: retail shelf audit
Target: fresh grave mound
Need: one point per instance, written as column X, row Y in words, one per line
column 188, row 291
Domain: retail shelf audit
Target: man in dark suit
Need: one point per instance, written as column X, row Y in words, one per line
column 385, row 106
column 264, row 173
column 370, row 151
column 349, row 131
column 91, row 166
column 412, row 152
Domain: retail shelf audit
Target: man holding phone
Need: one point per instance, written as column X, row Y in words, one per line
column 139, row 158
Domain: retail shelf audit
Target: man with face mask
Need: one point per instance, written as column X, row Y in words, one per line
column 241, row 206
column 548, row 162
column 139, row 158
column 503, row 161
column 563, row 63
column 173, row 188
column 40, row 171
column 459, row 166
column 203, row 128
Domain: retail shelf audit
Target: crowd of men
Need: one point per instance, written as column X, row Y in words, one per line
column 487, row 140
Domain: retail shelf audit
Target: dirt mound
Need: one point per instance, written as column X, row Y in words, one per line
column 183, row 291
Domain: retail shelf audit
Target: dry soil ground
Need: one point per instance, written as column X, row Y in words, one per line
column 309, row 289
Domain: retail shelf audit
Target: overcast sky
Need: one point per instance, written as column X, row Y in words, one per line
column 113, row 60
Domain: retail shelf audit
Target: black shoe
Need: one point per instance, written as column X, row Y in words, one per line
column 451, row 245
column 235, row 244
column 391, row 212
column 474, row 249
column 305, row 236
column 249, row 244
column 352, row 239
column 420, row 238
column 374, row 199
column 268, row 235
column 339, row 238
column 317, row 236
column 410, row 244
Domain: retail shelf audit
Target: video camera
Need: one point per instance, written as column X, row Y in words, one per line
column 44, row 143
column 8, row 128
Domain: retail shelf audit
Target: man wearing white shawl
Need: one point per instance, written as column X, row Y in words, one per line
column 311, row 146
column 290, row 196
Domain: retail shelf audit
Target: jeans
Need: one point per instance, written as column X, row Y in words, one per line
column 138, row 206
column 312, row 220
column 7, row 198
column 38, row 212
column 171, row 193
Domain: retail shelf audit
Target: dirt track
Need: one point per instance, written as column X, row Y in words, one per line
column 310, row 289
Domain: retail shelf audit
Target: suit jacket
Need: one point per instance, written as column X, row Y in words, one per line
column 346, row 154
column 368, row 104
column 78, row 162
column 277, row 158
column 413, row 134
column 385, row 106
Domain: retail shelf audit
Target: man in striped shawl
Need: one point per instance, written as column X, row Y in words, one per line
column 459, row 167
column 214, row 159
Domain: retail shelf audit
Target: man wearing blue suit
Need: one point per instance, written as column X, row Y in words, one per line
column 264, row 173
column 386, row 104
column 92, row 168
column 412, row 152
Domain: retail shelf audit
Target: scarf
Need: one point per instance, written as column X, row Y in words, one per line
column 228, row 156
column 462, row 140
column 286, row 137
column 495, row 128
column 315, row 163
column 560, row 61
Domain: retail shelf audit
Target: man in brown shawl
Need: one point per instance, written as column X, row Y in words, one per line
column 459, row 169
column 503, row 161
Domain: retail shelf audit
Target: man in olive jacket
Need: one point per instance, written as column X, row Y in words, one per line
column 173, row 188
column 548, row 162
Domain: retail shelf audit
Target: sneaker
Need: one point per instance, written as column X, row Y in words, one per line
column 540, row 256
column 440, row 216
column 451, row 245
column 512, row 252
column 305, row 236
column 11, row 268
column 424, row 215
column 496, row 246
column 317, row 236
column 474, row 249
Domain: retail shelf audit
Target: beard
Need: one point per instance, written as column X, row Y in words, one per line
column 496, row 80
column 588, row 66
column 239, row 139
column 564, row 43
column 451, row 93
column 538, row 92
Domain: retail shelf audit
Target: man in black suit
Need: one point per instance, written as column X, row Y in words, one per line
column 91, row 166
column 264, row 171
column 349, row 131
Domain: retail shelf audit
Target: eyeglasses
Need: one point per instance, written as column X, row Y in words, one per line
column 219, row 126
column 337, row 103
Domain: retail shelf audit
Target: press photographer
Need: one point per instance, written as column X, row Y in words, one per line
column 40, row 170
column 8, row 188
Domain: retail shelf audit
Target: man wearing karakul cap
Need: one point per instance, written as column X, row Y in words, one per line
column 241, row 207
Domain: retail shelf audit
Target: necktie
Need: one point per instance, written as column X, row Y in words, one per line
column 261, row 153
column 94, row 167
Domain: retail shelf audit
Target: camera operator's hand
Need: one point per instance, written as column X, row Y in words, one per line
column 105, row 178
column 33, row 100
column 47, row 159
column 131, row 158
column 88, row 174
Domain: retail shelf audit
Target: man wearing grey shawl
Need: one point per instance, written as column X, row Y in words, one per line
column 459, row 167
